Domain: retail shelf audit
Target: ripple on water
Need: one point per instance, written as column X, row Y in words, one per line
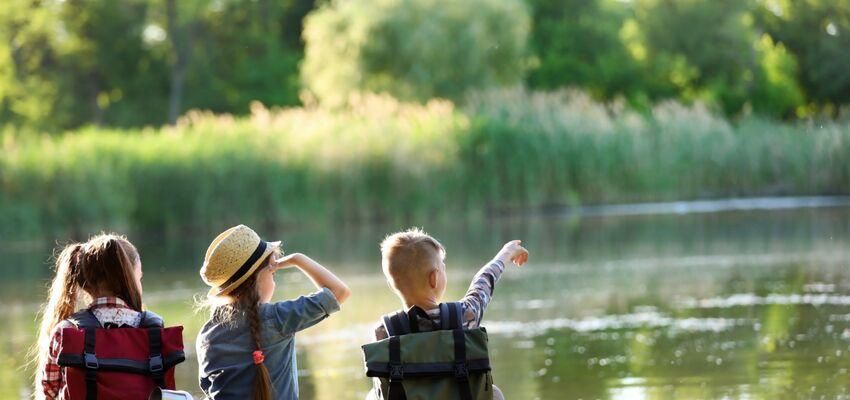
column 649, row 319
column 749, row 299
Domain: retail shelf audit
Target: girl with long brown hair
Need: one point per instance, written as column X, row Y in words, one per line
column 247, row 348
column 108, row 270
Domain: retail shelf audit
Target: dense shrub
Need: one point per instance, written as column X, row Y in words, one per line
column 413, row 49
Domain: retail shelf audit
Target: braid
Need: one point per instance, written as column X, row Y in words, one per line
column 250, row 302
column 245, row 302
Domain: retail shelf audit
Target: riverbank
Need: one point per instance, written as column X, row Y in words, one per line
column 385, row 160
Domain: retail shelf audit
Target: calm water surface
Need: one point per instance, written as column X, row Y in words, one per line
column 727, row 305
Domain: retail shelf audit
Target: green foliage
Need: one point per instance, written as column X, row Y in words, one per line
column 702, row 48
column 381, row 159
column 244, row 51
column 777, row 93
column 130, row 63
column 577, row 43
column 413, row 49
column 110, row 62
column 114, row 76
column 28, row 61
column 818, row 33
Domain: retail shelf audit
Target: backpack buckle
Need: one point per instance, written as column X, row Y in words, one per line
column 155, row 364
column 396, row 372
column 90, row 361
column 461, row 371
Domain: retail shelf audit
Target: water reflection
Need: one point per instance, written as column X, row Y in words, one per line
column 735, row 305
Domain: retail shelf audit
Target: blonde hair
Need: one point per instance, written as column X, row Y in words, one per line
column 244, row 301
column 105, row 262
column 407, row 257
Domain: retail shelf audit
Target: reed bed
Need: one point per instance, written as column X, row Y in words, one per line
column 383, row 159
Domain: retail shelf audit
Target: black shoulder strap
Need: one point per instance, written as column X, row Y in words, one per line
column 396, row 368
column 396, row 323
column 444, row 317
column 91, row 363
column 451, row 316
column 155, row 362
column 150, row 320
column 153, row 323
column 461, row 367
column 84, row 319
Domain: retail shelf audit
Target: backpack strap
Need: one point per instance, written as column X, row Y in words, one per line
column 84, row 319
column 151, row 319
column 154, row 324
column 396, row 389
column 461, row 367
column 444, row 317
column 155, row 363
column 396, row 323
column 451, row 315
column 90, row 360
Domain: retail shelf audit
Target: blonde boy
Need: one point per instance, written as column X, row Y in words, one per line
column 414, row 265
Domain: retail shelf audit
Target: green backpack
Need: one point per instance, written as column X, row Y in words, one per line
column 450, row 363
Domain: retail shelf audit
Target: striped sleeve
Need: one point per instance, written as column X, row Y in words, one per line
column 480, row 292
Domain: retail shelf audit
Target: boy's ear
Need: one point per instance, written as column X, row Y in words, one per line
column 432, row 278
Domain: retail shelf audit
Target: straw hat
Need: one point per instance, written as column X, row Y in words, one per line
column 232, row 257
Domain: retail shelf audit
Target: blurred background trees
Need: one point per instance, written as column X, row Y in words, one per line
column 414, row 50
column 68, row 63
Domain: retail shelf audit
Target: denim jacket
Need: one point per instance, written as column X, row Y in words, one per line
column 226, row 369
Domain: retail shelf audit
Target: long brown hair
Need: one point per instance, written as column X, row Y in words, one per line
column 245, row 301
column 102, row 265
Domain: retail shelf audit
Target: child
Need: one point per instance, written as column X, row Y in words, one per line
column 414, row 265
column 247, row 349
column 107, row 268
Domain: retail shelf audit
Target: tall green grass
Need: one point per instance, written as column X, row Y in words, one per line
column 383, row 159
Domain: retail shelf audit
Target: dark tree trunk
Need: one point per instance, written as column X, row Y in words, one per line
column 181, row 53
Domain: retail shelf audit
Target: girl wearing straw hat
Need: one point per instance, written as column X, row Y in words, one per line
column 247, row 349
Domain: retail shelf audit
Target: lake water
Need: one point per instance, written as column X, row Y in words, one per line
column 745, row 304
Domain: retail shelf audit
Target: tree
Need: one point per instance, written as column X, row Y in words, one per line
column 243, row 51
column 413, row 49
column 704, row 49
column 577, row 43
column 116, row 78
column 29, row 66
column 818, row 34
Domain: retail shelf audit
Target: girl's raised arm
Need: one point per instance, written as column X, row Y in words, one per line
column 320, row 275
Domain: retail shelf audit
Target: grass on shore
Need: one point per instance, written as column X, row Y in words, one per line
column 385, row 159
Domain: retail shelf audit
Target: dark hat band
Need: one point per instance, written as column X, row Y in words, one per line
column 258, row 252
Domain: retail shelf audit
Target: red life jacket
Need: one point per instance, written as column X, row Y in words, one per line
column 118, row 363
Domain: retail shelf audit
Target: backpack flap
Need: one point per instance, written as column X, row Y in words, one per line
column 440, row 364
column 428, row 354
column 119, row 362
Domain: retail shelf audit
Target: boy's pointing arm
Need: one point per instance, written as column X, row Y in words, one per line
column 484, row 283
